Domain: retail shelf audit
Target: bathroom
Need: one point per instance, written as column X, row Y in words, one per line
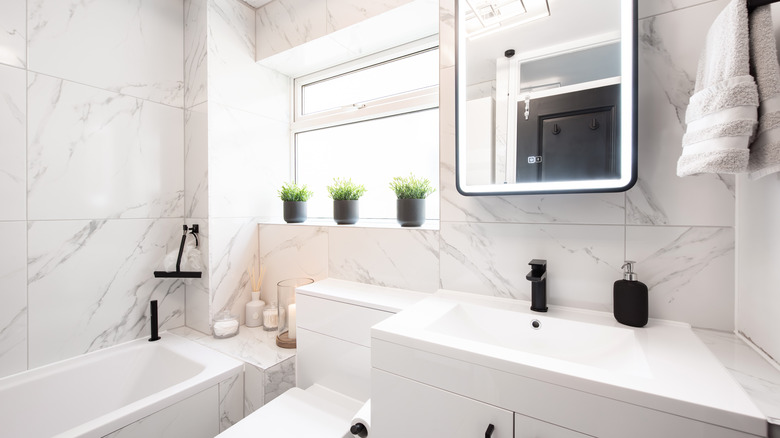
column 122, row 120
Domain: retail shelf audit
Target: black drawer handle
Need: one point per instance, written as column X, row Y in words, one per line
column 489, row 431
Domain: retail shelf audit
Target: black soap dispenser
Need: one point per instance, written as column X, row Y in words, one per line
column 630, row 298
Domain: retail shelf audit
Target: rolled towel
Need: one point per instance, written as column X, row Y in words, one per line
column 721, row 115
column 765, row 148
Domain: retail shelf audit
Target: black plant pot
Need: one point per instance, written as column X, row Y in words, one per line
column 294, row 212
column 410, row 212
column 345, row 212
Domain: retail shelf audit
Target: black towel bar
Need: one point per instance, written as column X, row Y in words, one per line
column 178, row 273
column 752, row 4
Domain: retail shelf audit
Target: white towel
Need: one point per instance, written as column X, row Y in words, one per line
column 765, row 148
column 722, row 115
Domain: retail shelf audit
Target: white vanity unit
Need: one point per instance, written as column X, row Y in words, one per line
column 454, row 364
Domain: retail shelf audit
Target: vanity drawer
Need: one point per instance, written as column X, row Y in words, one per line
column 404, row 408
column 528, row 427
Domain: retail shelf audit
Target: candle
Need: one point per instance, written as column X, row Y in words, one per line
column 292, row 332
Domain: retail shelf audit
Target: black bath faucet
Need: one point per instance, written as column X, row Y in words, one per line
column 538, row 279
column 154, row 323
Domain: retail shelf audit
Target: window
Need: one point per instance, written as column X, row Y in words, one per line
column 369, row 120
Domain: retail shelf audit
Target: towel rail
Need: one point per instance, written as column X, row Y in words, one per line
column 752, row 4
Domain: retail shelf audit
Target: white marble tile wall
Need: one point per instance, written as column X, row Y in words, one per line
column 247, row 162
column 13, row 296
column 284, row 24
column 13, row 33
column 108, row 155
column 232, row 250
column 758, row 252
column 291, row 252
column 90, row 283
column 234, row 79
column 91, row 173
column 196, row 174
column 195, row 52
column 231, row 401
column 198, row 301
column 123, row 46
column 278, row 379
column 13, row 132
column 344, row 13
column 405, row 259
column 254, row 392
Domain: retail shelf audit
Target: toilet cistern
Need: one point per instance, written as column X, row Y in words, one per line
column 538, row 279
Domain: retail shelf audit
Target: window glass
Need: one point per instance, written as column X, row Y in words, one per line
column 371, row 153
column 414, row 72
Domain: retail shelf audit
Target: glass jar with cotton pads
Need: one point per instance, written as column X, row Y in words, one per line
column 224, row 325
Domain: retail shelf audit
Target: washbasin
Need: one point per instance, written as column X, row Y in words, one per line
column 604, row 346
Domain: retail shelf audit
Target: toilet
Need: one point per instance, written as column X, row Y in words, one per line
column 333, row 361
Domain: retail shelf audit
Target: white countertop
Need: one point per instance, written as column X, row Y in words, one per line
column 755, row 374
column 253, row 345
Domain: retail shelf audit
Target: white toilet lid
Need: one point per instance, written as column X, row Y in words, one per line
column 316, row 412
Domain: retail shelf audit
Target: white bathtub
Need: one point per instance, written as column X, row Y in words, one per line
column 102, row 392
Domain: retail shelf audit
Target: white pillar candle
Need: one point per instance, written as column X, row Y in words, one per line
column 292, row 332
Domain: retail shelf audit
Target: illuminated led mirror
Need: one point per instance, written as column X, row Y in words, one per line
column 546, row 96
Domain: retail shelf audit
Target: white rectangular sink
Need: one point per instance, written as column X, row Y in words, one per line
column 662, row 367
column 604, row 346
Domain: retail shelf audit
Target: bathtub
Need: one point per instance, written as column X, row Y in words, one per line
column 120, row 391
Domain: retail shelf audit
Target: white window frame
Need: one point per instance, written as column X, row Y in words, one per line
column 412, row 101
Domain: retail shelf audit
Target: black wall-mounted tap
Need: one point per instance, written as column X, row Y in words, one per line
column 538, row 279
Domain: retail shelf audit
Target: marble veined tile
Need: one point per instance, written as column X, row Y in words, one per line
column 344, row 13
column 254, row 392
column 279, row 379
column 583, row 261
column 686, row 270
column 759, row 377
column 13, row 295
column 248, row 161
column 195, row 52
column 197, row 303
column 284, row 24
column 90, row 283
column 447, row 35
column 257, row 3
column 97, row 154
column 13, row 135
column 291, row 251
column 133, row 48
column 648, row 8
column 400, row 258
column 231, row 401
column 13, row 29
column 196, row 161
column 232, row 250
column 234, row 78
column 669, row 48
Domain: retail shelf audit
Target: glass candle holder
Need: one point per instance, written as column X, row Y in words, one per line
column 285, row 297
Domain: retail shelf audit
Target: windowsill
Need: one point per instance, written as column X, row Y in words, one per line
column 430, row 224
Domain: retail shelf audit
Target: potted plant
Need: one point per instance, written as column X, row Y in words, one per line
column 294, row 197
column 345, row 195
column 411, row 193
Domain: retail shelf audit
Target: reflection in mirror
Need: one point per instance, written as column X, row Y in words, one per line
column 546, row 96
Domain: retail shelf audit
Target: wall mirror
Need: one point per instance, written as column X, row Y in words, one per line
column 546, row 96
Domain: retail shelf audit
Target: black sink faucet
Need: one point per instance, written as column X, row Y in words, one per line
column 538, row 278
